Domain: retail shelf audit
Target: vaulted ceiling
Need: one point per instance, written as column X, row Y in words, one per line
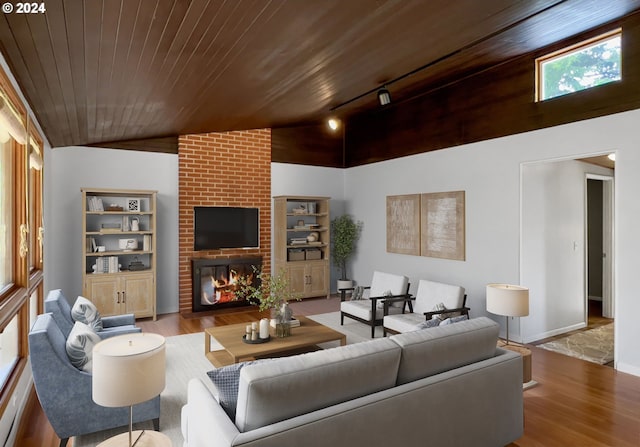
column 100, row 71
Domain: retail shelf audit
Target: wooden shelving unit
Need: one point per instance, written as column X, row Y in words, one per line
column 119, row 257
column 306, row 262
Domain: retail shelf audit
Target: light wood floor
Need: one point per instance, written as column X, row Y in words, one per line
column 576, row 403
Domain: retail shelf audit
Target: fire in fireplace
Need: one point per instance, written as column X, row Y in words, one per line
column 215, row 281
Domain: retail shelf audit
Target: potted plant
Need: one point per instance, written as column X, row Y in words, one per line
column 270, row 292
column 344, row 235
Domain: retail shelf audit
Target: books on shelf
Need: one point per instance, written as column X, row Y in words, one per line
column 106, row 264
column 146, row 242
column 95, row 203
column 298, row 241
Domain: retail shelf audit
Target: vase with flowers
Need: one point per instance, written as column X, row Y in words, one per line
column 270, row 292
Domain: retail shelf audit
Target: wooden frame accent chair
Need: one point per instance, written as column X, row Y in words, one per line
column 370, row 309
column 432, row 300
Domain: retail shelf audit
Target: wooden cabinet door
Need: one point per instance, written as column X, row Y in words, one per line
column 317, row 279
column 138, row 291
column 297, row 278
column 104, row 292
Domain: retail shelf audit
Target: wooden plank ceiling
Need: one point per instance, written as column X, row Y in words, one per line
column 103, row 71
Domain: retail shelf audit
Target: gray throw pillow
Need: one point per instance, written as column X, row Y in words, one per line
column 80, row 345
column 429, row 323
column 86, row 312
column 453, row 320
column 358, row 292
column 226, row 381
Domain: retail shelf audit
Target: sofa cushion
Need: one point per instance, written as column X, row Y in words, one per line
column 80, row 344
column 387, row 284
column 432, row 351
column 404, row 322
column 86, row 312
column 292, row 386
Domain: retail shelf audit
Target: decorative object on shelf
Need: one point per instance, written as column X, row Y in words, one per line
column 125, row 223
column 128, row 244
column 344, row 235
column 136, row 265
column 114, row 207
column 135, row 224
column 110, row 226
column 313, row 236
column 300, row 209
column 133, row 205
column 128, row 370
column 272, row 293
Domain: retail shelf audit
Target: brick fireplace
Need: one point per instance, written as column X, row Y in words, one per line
column 222, row 169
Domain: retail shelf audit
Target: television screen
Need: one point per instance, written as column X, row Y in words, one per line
column 225, row 227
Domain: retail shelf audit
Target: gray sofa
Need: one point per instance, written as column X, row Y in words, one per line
column 444, row 386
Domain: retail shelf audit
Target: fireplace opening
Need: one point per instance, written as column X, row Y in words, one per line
column 215, row 282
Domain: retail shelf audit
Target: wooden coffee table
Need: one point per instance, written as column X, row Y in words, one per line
column 307, row 335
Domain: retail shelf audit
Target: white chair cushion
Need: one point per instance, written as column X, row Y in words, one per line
column 431, row 293
column 362, row 309
column 382, row 283
column 403, row 322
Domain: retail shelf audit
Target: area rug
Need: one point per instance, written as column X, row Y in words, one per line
column 594, row 345
column 185, row 360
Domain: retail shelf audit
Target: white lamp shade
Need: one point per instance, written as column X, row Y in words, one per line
column 508, row 300
column 128, row 369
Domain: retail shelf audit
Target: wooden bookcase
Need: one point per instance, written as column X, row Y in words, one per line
column 119, row 260
column 305, row 262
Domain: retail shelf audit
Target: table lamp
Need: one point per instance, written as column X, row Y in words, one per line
column 128, row 370
column 507, row 300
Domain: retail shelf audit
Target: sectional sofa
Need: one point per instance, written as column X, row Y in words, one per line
column 444, row 386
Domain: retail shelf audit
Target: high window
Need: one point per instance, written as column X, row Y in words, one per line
column 586, row 65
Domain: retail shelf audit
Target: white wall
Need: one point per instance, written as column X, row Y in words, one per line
column 489, row 172
column 299, row 180
column 71, row 168
column 553, row 246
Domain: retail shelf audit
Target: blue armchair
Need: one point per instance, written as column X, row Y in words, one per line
column 58, row 305
column 65, row 392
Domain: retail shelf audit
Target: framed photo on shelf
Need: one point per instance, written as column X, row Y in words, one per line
column 133, row 205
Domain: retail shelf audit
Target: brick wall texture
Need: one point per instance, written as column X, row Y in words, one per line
column 222, row 169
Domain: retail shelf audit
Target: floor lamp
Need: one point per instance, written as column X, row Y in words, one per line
column 128, row 370
column 508, row 301
column 512, row 301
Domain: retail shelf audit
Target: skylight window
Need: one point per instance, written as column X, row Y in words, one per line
column 589, row 64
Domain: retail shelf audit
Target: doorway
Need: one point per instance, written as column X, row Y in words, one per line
column 599, row 243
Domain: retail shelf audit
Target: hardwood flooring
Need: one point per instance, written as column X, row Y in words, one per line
column 576, row 404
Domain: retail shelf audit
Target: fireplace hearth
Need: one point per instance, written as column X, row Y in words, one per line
column 214, row 281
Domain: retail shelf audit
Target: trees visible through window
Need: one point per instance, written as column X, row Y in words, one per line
column 586, row 65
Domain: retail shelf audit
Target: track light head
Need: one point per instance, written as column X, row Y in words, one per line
column 333, row 123
column 384, row 97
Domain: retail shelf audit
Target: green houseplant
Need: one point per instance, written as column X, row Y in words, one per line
column 269, row 292
column 344, row 234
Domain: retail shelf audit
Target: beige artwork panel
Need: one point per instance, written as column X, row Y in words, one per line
column 442, row 233
column 403, row 224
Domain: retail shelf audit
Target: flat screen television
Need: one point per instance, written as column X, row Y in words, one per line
column 218, row 227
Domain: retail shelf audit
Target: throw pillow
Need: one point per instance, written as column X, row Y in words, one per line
column 428, row 323
column 80, row 344
column 86, row 312
column 226, row 381
column 452, row 320
column 386, row 293
column 358, row 292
